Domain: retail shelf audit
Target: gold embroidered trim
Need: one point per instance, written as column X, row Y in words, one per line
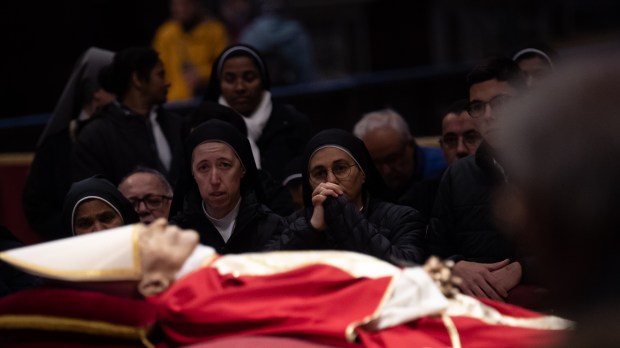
column 453, row 332
column 350, row 334
column 92, row 327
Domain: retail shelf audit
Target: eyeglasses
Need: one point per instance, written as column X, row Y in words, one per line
column 150, row 201
column 469, row 139
column 340, row 170
column 477, row 108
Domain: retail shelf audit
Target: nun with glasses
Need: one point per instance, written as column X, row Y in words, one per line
column 240, row 80
column 342, row 193
column 223, row 198
column 95, row 204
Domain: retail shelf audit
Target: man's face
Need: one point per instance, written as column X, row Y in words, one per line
column 156, row 88
column 95, row 215
column 487, row 95
column 149, row 196
column 218, row 173
column 241, row 85
column 164, row 249
column 183, row 11
column 459, row 136
column 392, row 155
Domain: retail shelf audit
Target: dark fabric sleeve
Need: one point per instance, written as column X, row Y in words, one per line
column 398, row 236
column 297, row 234
column 278, row 199
column 441, row 224
column 12, row 279
column 89, row 155
column 46, row 186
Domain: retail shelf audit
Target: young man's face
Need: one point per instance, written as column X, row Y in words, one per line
column 489, row 96
column 459, row 136
column 156, row 88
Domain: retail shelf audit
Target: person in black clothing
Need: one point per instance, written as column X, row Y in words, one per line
column 462, row 226
column 277, row 197
column 224, row 199
column 136, row 130
column 95, row 204
column 460, row 138
column 561, row 148
column 240, row 80
column 344, row 208
column 11, row 279
column 48, row 179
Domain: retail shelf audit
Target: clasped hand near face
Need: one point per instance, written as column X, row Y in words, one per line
column 321, row 192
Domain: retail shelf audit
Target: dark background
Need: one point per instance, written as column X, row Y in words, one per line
column 439, row 39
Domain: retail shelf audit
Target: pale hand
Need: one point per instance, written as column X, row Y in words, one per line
column 319, row 195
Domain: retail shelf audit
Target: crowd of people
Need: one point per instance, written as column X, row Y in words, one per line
column 519, row 192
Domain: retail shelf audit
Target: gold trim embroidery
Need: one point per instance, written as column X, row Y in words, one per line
column 350, row 334
column 92, row 327
column 453, row 332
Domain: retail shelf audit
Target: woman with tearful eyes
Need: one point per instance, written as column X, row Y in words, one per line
column 224, row 199
column 342, row 192
column 93, row 205
column 277, row 132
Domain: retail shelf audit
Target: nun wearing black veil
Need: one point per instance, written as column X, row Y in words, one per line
column 223, row 196
column 342, row 192
column 49, row 179
column 277, row 132
column 95, row 204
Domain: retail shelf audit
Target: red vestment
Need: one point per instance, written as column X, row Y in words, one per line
column 322, row 304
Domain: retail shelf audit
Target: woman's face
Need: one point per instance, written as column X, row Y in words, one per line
column 339, row 168
column 241, row 84
column 95, row 215
column 218, row 172
column 535, row 69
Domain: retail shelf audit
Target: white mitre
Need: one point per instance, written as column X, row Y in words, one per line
column 110, row 255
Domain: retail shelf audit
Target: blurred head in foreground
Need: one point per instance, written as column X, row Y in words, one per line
column 561, row 149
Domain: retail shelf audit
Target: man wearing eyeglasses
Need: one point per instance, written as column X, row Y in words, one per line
column 149, row 192
column 463, row 226
column 460, row 136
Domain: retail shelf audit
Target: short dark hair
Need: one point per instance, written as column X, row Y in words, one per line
column 139, row 60
column 456, row 107
column 497, row 68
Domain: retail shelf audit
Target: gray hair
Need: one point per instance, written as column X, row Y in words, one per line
column 147, row 170
column 386, row 118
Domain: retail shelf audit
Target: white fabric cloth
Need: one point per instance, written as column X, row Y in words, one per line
column 414, row 295
column 163, row 148
column 225, row 225
column 195, row 260
column 256, row 122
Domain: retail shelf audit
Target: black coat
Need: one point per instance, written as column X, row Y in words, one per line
column 113, row 144
column 284, row 137
column 12, row 279
column 387, row 231
column 462, row 225
column 255, row 225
